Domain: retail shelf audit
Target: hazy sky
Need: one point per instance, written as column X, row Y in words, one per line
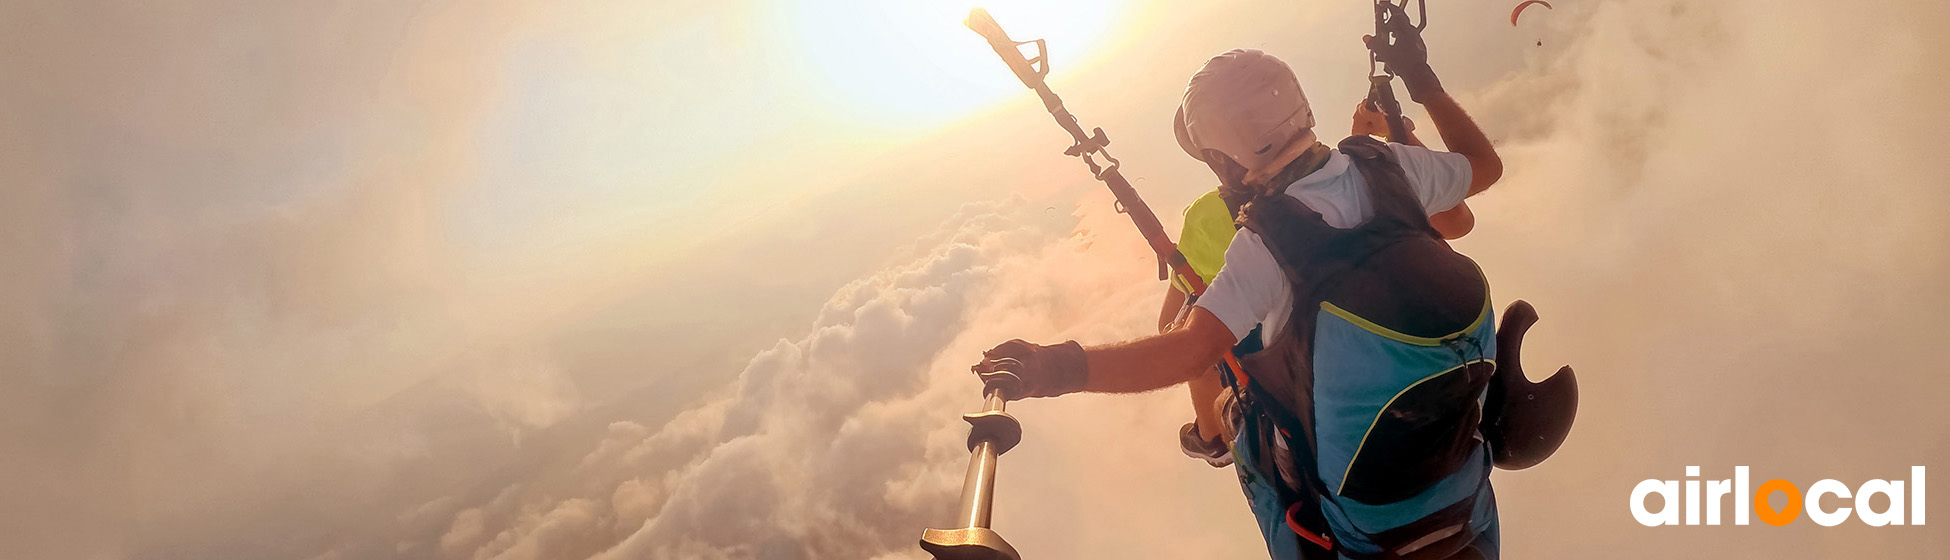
column 599, row 279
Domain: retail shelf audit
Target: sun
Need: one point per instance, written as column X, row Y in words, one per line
column 911, row 63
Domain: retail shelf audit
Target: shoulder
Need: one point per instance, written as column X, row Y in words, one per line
column 1207, row 232
column 1208, row 214
column 1210, row 197
column 1439, row 179
column 1420, row 157
column 1207, row 206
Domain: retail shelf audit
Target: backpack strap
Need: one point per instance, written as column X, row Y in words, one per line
column 1315, row 257
column 1393, row 199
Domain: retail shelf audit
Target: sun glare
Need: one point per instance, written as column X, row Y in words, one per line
column 911, row 63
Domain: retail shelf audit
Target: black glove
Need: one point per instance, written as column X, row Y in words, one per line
column 1408, row 57
column 1023, row 370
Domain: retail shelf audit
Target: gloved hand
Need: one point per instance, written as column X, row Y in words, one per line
column 1407, row 57
column 1023, row 370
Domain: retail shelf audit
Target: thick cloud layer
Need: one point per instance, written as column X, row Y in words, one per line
column 841, row 443
column 1724, row 213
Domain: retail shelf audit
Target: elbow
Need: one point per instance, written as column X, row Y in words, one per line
column 1212, row 340
column 1213, row 352
column 1483, row 172
column 1193, row 360
column 1199, row 342
column 1454, row 223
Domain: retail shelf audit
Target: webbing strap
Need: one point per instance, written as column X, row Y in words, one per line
column 1321, row 539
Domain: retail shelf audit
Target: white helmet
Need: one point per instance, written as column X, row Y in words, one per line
column 1245, row 104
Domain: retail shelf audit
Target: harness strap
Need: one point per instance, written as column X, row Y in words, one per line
column 1322, row 539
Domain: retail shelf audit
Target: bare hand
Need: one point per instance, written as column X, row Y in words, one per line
column 1371, row 122
column 1368, row 121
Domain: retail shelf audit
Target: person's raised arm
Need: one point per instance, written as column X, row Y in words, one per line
column 1461, row 135
column 1453, row 223
column 1408, row 57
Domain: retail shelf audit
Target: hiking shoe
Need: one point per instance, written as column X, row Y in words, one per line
column 1213, row 451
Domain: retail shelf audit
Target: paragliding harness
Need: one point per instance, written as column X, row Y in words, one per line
column 1391, row 277
column 1392, row 273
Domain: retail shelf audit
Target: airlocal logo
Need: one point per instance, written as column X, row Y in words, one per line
column 1764, row 498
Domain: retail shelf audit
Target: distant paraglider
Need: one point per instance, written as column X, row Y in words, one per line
column 1518, row 11
column 1520, row 7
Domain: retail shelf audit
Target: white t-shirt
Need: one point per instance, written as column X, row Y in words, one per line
column 1250, row 289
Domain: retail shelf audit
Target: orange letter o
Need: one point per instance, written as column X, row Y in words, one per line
column 1783, row 516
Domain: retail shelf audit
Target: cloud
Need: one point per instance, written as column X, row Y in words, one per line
column 844, row 442
column 465, row 536
column 198, row 276
column 1722, row 212
column 835, row 444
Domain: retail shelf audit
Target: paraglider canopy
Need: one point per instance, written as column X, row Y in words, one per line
column 1520, row 7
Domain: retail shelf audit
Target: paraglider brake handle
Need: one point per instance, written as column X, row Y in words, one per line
column 1381, row 15
column 1421, row 20
column 1030, row 69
